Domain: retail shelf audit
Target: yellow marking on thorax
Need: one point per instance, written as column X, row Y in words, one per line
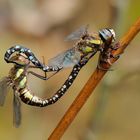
column 22, row 83
column 19, row 72
column 96, row 41
column 87, row 49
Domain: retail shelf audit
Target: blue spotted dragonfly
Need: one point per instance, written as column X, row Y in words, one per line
column 85, row 48
column 30, row 56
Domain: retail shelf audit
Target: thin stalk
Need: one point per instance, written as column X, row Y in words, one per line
column 90, row 86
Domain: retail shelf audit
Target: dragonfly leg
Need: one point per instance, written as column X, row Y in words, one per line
column 39, row 76
column 115, row 47
column 105, row 57
column 42, row 77
column 31, row 66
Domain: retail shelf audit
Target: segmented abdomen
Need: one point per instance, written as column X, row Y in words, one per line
column 30, row 99
column 31, row 57
column 26, row 51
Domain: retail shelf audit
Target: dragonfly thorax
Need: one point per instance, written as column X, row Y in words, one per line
column 89, row 44
column 18, row 77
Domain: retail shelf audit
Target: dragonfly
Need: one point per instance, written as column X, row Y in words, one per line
column 17, row 80
column 86, row 45
column 77, row 57
column 30, row 56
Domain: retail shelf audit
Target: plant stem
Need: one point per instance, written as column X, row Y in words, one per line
column 90, row 86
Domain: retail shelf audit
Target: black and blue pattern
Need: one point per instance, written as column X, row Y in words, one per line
column 30, row 56
column 77, row 57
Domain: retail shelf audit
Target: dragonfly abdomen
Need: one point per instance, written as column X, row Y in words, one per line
column 28, row 98
column 26, row 51
column 30, row 56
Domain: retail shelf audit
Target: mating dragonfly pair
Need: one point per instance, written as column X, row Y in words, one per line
column 86, row 47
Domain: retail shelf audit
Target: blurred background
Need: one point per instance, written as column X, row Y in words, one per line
column 112, row 112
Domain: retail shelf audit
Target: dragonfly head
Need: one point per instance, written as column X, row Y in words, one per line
column 19, row 59
column 107, row 35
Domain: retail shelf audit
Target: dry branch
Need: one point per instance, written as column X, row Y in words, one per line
column 90, row 86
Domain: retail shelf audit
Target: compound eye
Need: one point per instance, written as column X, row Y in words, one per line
column 113, row 33
column 106, row 34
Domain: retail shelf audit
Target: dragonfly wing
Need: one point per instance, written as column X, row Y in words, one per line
column 4, row 85
column 66, row 59
column 77, row 34
column 71, row 58
column 57, row 60
column 16, row 110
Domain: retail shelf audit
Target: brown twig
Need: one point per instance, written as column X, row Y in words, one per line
column 90, row 86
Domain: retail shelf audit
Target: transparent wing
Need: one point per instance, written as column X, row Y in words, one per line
column 4, row 86
column 16, row 110
column 77, row 34
column 66, row 59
